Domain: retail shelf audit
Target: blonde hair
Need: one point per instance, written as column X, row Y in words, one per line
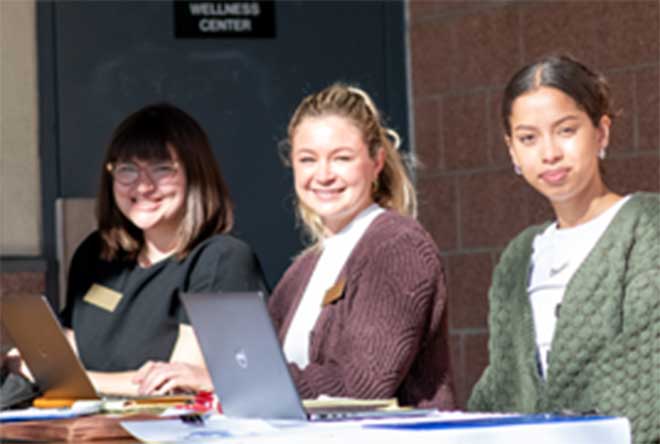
column 393, row 188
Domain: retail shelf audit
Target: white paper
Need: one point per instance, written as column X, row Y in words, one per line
column 215, row 427
column 79, row 408
column 218, row 428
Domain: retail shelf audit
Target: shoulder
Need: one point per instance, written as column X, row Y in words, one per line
column 645, row 200
column 637, row 224
column 393, row 241
column 635, row 231
column 223, row 263
column 393, row 229
column 295, row 276
column 223, row 246
column 301, row 267
column 90, row 248
column 642, row 207
column 84, row 270
column 291, row 285
column 222, row 255
column 515, row 258
column 520, row 247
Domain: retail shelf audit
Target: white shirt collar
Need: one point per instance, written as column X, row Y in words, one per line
column 354, row 229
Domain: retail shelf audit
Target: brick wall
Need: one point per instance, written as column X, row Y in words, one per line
column 22, row 281
column 462, row 54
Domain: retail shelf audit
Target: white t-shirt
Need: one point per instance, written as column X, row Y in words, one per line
column 557, row 254
column 336, row 250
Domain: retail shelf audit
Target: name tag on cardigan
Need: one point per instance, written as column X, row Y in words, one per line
column 334, row 293
column 103, row 297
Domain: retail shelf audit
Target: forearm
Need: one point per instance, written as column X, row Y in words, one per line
column 365, row 343
column 116, row 383
column 480, row 399
column 371, row 356
column 315, row 380
column 71, row 338
column 185, row 371
column 344, row 379
column 629, row 363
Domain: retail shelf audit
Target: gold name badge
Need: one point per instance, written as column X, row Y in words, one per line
column 334, row 293
column 103, row 297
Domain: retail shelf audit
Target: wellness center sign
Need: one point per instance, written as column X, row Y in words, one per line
column 199, row 19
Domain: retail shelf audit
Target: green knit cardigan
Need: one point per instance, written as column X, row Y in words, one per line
column 605, row 352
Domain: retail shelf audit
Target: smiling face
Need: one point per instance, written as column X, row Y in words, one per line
column 333, row 171
column 556, row 145
column 155, row 201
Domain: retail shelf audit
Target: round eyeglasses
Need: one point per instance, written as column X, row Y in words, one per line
column 127, row 173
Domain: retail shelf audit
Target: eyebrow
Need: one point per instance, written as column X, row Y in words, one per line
column 558, row 122
column 331, row 151
column 138, row 163
column 302, row 151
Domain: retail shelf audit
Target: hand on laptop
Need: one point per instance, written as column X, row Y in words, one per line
column 13, row 363
column 161, row 378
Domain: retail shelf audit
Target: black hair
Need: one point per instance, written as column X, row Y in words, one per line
column 589, row 89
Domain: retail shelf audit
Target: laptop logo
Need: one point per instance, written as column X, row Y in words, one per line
column 43, row 353
column 241, row 358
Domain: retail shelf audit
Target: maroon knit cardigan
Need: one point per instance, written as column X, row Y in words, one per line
column 386, row 335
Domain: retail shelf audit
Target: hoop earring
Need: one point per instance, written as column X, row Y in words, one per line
column 602, row 154
column 375, row 186
column 517, row 170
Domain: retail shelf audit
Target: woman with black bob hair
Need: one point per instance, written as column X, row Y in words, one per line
column 574, row 303
column 164, row 214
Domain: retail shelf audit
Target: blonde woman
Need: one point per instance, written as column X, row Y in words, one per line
column 362, row 311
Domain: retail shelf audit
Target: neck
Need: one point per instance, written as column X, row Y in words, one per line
column 585, row 207
column 158, row 244
column 334, row 227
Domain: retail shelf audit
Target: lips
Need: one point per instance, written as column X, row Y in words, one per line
column 555, row 176
column 145, row 205
column 327, row 194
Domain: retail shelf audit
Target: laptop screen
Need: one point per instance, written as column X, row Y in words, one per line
column 243, row 355
column 31, row 323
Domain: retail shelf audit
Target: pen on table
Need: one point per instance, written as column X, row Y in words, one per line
column 168, row 399
column 50, row 403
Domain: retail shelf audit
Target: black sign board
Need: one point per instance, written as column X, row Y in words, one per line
column 219, row 19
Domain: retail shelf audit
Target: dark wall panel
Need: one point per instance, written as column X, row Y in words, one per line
column 112, row 58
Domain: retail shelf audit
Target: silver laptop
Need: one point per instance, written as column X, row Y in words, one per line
column 36, row 332
column 243, row 355
column 247, row 365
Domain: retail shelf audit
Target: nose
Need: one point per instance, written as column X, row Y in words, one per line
column 324, row 172
column 144, row 182
column 551, row 151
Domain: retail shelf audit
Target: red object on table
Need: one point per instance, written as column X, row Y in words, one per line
column 203, row 402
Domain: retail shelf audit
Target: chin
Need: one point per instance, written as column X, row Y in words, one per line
column 144, row 227
column 321, row 207
column 329, row 213
column 144, row 223
column 559, row 198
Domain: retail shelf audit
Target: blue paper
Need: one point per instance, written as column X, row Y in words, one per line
column 488, row 422
column 79, row 408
